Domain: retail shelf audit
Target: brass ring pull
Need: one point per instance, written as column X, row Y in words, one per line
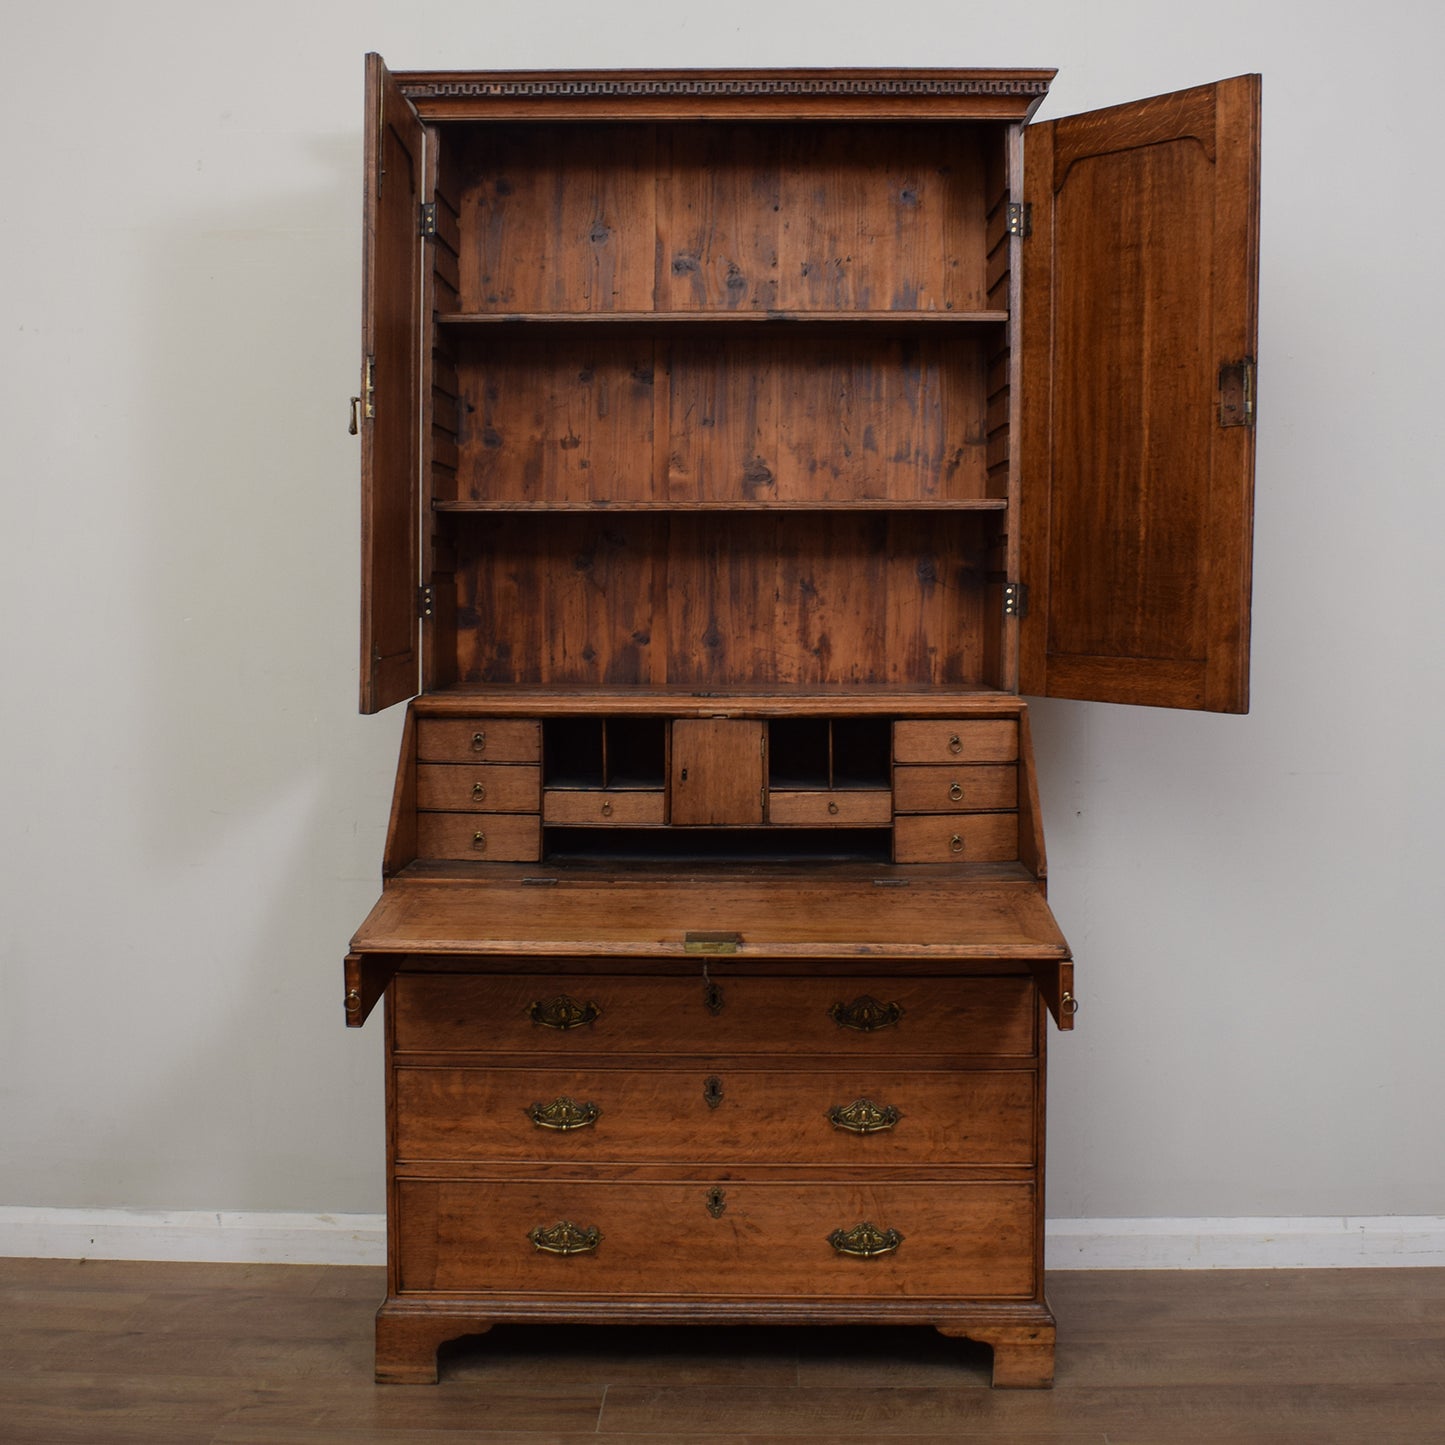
column 833, row 809
column 479, row 742
column 607, row 808
column 865, row 1014
column 563, row 1114
column 863, row 1116
column 564, row 1237
column 955, row 743
column 1068, row 1005
column 865, row 1241
column 956, row 792
column 479, row 841
column 479, row 791
column 563, row 1013
column 955, row 844
column 353, row 1001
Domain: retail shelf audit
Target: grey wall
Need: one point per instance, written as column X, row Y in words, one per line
column 193, row 811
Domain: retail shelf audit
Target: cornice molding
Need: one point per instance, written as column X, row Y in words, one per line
column 584, row 87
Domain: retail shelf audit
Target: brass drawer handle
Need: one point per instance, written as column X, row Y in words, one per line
column 955, row 743
column 607, row 808
column 564, row 1237
column 563, row 1012
column 479, row 791
column 956, row 792
column 479, row 841
column 865, row 1014
column 833, row 810
column 955, row 844
column 563, row 1114
column 863, row 1116
column 865, row 1241
column 479, row 742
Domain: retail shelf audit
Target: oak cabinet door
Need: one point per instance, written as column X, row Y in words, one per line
column 718, row 772
column 1139, row 285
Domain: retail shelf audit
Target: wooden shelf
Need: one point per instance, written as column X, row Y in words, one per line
column 872, row 319
column 868, row 504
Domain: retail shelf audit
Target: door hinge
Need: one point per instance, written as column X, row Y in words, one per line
column 1020, row 218
column 1015, row 599
column 425, row 602
column 427, row 224
column 1236, row 393
column 368, row 388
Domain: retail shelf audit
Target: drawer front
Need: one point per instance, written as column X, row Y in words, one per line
column 718, row 1239
column 715, row 1114
column 497, row 838
column 837, row 807
column 479, row 788
column 966, row 838
column 965, row 740
column 584, row 807
column 960, row 789
column 491, row 740
column 561, row 1017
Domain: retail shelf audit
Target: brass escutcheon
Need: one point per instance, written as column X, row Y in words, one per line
column 717, row 1202
column 863, row 1116
column 563, row 1012
column 564, row 1237
column 563, row 1114
column 865, row 1014
column 712, row 1091
column 865, row 1241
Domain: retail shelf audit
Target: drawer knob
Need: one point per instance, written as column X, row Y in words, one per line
column 863, row 1116
column 479, row 791
column 865, row 1014
column 955, row 844
column 956, row 792
column 865, row 1241
column 955, row 743
column 479, row 841
column 563, row 1114
column 479, row 742
column 564, row 1237
column 563, row 1012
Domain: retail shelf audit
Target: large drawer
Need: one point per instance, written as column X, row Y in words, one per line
column 717, row 1239
column 561, row 1017
column 856, row 1117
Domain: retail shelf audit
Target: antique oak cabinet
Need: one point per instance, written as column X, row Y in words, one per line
column 736, row 447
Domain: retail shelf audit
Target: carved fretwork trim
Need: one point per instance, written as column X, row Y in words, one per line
column 598, row 86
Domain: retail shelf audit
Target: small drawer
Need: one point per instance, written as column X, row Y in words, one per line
column 479, row 739
column 602, row 808
column 496, row 838
column 480, row 788
column 963, row 740
column 718, row 1237
column 966, row 838
column 837, row 808
column 974, row 788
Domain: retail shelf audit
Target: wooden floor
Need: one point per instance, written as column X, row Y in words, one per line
column 276, row 1355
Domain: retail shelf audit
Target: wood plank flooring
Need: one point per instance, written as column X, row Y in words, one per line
column 104, row 1351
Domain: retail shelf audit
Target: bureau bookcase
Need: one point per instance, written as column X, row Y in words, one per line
column 736, row 448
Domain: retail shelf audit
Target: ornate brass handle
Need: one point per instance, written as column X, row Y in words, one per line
column 955, row 743
column 865, row 1241
column 956, row 792
column 479, row 791
column 865, row 1014
column 563, row 1114
column 564, row 1237
column 863, row 1116
column 479, row 742
column 563, row 1012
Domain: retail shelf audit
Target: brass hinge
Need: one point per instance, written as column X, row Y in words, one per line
column 368, row 388
column 425, row 602
column 427, row 224
column 1236, row 393
column 1015, row 599
column 1020, row 218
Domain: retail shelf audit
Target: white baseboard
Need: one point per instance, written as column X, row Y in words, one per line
column 1333, row 1242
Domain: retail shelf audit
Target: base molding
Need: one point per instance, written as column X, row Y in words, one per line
column 221, row 1237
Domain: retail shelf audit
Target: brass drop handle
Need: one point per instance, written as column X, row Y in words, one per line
column 563, row 1013
column 955, row 743
column 863, row 1116
column 607, row 808
column 353, row 1001
column 956, row 792
column 833, row 809
column 564, row 1237
column 479, row 841
column 563, row 1114
column 479, row 742
column 479, row 791
column 865, row 1014
column 865, row 1241
column 1068, row 1005
column 955, row 844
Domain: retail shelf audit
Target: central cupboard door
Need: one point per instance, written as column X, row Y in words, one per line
column 718, row 772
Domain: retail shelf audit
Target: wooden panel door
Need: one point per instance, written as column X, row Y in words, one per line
column 391, row 329
column 1139, row 283
column 718, row 772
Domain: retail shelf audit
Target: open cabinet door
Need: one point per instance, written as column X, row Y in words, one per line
column 1139, row 286
column 390, row 392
